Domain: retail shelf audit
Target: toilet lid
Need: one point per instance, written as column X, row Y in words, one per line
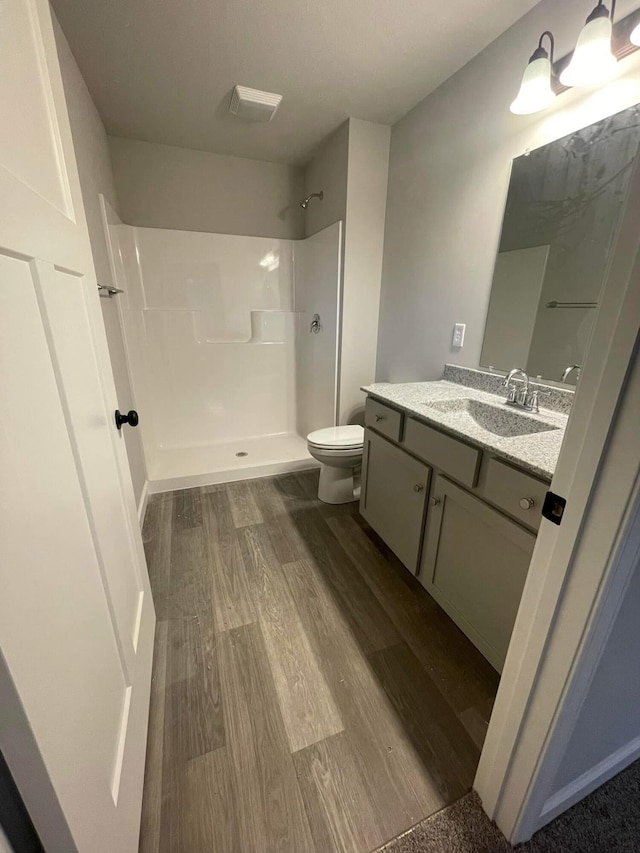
column 340, row 436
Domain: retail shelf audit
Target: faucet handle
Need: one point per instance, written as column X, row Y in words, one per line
column 512, row 393
column 533, row 399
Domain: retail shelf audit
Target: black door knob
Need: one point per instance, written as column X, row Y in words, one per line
column 130, row 418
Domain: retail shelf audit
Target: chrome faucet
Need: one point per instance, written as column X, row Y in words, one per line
column 517, row 397
column 569, row 370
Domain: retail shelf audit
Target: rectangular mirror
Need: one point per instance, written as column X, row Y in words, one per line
column 560, row 222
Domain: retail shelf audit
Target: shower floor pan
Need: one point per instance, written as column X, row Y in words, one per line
column 242, row 459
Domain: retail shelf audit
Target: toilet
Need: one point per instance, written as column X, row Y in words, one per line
column 339, row 450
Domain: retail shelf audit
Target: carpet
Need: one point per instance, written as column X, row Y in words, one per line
column 607, row 821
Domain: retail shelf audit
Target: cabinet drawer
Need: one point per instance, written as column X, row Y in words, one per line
column 453, row 457
column 383, row 419
column 505, row 487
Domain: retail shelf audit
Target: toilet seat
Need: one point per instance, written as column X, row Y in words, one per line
column 349, row 437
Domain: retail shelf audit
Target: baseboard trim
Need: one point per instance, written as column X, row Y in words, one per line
column 143, row 501
column 590, row 780
column 192, row 481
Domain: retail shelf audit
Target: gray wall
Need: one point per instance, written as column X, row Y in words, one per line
column 94, row 168
column 364, row 236
column 350, row 167
column 327, row 171
column 160, row 186
column 448, row 177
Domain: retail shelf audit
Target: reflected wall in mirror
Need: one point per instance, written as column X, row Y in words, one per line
column 560, row 222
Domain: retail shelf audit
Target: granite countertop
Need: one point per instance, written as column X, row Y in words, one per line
column 535, row 452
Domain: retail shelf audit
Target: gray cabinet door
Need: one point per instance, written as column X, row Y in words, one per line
column 474, row 563
column 393, row 496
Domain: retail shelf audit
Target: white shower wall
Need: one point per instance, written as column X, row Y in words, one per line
column 210, row 331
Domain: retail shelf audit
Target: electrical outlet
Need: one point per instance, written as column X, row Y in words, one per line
column 458, row 335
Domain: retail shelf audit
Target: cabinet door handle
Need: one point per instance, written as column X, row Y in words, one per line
column 379, row 418
column 418, row 488
column 526, row 503
column 434, row 501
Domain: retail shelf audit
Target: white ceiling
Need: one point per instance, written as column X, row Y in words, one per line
column 163, row 70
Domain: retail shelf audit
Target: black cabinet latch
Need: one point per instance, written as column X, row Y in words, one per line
column 553, row 507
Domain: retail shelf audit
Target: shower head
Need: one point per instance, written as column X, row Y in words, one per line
column 305, row 203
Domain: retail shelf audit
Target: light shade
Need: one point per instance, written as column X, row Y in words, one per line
column 634, row 38
column 535, row 90
column 592, row 61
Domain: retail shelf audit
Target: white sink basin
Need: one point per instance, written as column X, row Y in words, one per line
column 499, row 420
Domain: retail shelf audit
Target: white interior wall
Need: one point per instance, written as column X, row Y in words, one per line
column 515, row 294
column 94, row 168
column 160, row 186
column 448, row 177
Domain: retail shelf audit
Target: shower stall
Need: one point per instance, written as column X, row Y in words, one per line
column 229, row 369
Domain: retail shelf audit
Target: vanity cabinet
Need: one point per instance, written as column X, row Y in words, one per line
column 393, row 496
column 461, row 519
column 474, row 563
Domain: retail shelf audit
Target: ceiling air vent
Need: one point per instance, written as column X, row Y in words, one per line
column 253, row 104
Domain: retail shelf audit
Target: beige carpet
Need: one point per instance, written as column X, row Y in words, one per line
column 607, row 821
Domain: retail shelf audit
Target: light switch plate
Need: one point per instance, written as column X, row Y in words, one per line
column 458, row 335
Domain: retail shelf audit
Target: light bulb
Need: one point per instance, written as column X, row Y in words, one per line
column 592, row 61
column 634, row 38
column 535, row 90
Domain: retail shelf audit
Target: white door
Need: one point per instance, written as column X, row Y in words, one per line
column 76, row 615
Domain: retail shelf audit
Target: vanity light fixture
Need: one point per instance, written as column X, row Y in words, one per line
column 536, row 92
column 593, row 61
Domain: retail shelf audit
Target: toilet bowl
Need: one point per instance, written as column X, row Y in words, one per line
column 339, row 450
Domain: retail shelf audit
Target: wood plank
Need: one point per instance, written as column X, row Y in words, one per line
column 243, row 506
column 156, row 535
column 367, row 617
column 193, row 687
column 399, row 786
column 242, row 622
column 190, row 582
column 187, row 510
column 339, row 808
column 267, row 795
column 287, row 543
column 232, row 599
column 210, row 819
column 308, row 710
column 152, row 801
column 459, row 671
column 438, row 737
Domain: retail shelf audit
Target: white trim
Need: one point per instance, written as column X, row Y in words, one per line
column 142, row 502
column 213, row 478
column 623, row 561
column 555, row 619
column 591, row 779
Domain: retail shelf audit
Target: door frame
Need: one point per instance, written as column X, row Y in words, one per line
column 562, row 627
